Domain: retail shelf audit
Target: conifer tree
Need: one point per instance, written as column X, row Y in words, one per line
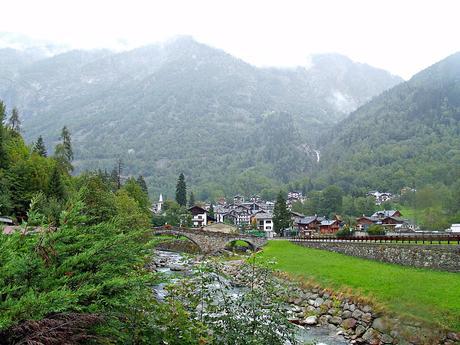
column 67, row 143
column 191, row 200
column 14, row 121
column 55, row 186
column 63, row 152
column 281, row 215
column 181, row 191
column 141, row 182
column 39, row 147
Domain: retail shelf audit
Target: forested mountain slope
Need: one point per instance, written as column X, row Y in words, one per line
column 408, row 136
column 184, row 106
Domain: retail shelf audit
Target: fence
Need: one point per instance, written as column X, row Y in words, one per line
column 417, row 239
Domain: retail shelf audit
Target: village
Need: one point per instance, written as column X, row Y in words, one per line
column 255, row 215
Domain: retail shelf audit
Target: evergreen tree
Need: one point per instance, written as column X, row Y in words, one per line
column 39, row 147
column 281, row 215
column 141, row 182
column 63, row 153
column 14, row 121
column 67, row 143
column 181, row 191
column 191, row 200
column 118, row 171
column 55, row 186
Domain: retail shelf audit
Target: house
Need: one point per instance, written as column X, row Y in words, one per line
column 380, row 198
column 238, row 199
column 386, row 213
column 329, row 226
column 455, row 228
column 389, row 219
column 308, row 226
column 364, row 222
column 201, row 217
column 264, row 222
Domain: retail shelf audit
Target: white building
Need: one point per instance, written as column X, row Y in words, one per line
column 455, row 228
column 201, row 217
column 264, row 222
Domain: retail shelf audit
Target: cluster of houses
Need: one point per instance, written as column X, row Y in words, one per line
column 258, row 214
column 380, row 197
column 390, row 220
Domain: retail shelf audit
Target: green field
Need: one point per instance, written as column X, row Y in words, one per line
column 425, row 294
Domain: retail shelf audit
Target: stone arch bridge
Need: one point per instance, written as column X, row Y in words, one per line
column 210, row 241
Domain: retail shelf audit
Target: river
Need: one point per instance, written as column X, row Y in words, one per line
column 169, row 263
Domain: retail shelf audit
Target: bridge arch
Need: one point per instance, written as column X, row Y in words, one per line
column 210, row 241
column 178, row 234
column 251, row 245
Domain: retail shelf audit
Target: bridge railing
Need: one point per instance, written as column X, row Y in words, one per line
column 414, row 239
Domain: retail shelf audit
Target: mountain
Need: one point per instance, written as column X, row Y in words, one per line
column 407, row 136
column 185, row 106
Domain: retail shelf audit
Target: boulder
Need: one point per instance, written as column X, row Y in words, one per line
column 346, row 314
column 349, row 323
column 357, row 314
column 335, row 320
column 311, row 320
column 360, row 330
column 318, row 302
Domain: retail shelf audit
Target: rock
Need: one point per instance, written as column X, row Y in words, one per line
column 351, row 307
column 324, row 319
column 318, row 302
column 360, row 329
column 349, row 323
column 335, row 320
column 367, row 318
column 311, row 302
column 311, row 320
column 367, row 309
column 326, row 295
column 357, row 314
column 453, row 336
column 379, row 324
column 371, row 337
column 346, row 314
column 176, row 268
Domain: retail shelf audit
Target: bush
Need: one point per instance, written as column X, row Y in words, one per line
column 376, row 230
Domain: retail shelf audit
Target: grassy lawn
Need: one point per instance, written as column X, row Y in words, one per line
column 425, row 294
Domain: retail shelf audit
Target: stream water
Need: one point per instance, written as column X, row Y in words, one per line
column 172, row 262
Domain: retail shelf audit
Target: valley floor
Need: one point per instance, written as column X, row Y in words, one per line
column 427, row 295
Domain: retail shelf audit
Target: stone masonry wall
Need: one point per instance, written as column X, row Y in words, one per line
column 439, row 257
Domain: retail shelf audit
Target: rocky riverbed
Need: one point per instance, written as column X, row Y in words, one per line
column 321, row 316
column 175, row 264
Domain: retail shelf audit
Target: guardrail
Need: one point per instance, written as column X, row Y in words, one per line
column 417, row 239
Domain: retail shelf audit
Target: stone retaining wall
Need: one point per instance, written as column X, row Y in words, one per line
column 439, row 257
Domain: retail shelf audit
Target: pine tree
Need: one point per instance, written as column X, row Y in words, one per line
column 14, row 121
column 39, row 147
column 181, row 191
column 141, row 182
column 63, row 152
column 281, row 215
column 119, row 170
column 191, row 200
column 55, row 186
column 67, row 143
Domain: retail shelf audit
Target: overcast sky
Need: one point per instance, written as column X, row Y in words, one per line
column 402, row 36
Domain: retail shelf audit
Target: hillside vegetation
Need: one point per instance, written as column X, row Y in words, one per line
column 187, row 107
